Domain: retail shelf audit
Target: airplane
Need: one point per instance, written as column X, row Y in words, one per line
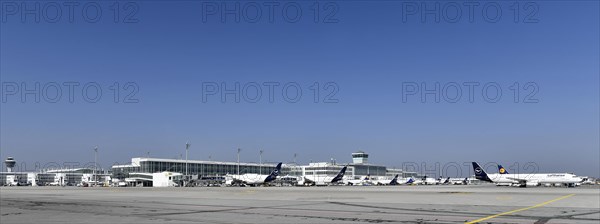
column 428, row 181
column 447, row 181
column 547, row 179
column 328, row 180
column 453, row 181
column 525, row 180
column 393, row 181
column 253, row 179
column 423, row 181
column 399, row 181
column 364, row 181
column 463, row 182
column 411, row 181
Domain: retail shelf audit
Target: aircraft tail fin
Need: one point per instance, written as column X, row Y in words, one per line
column 395, row 180
column 274, row 173
column 340, row 175
column 480, row 173
column 501, row 170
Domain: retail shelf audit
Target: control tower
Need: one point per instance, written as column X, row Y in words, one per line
column 360, row 157
column 10, row 164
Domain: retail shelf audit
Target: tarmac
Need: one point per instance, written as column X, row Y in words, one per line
column 331, row 204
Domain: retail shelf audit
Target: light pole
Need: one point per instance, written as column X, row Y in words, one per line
column 95, row 164
column 187, row 147
column 295, row 165
column 261, row 152
column 238, row 161
column 149, row 163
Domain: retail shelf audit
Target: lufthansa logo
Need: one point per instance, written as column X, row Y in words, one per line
column 502, row 170
column 477, row 170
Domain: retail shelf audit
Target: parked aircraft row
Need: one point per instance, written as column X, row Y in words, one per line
column 338, row 179
column 503, row 177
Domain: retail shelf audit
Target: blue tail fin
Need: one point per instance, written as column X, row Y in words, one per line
column 480, row 173
column 395, row 180
column 410, row 181
column 501, row 170
column 274, row 173
column 340, row 175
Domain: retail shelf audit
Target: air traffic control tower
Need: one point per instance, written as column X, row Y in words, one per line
column 10, row 164
column 360, row 157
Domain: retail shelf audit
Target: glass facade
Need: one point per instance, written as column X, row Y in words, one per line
column 360, row 157
column 363, row 170
column 200, row 168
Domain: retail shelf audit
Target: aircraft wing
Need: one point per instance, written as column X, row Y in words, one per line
column 519, row 180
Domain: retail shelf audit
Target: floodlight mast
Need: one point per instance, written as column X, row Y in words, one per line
column 187, row 147
column 261, row 152
column 95, row 165
column 238, row 161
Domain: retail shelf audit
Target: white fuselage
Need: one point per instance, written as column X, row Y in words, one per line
column 458, row 181
column 249, row 178
column 541, row 178
column 383, row 181
column 367, row 181
column 429, row 181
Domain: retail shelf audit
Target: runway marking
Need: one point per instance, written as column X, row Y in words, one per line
column 246, row 192
column 519, row 210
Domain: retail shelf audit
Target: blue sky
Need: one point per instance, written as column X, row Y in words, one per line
column 368, row 54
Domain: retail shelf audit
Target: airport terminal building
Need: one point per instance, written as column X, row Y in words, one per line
column 139, row 172
column 141, row 169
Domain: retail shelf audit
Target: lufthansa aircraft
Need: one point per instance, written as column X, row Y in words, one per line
column 327, row 180
column 525, row 180
column 393, row 181
column 547, row 179
column 256, row 179
column 364, row 181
